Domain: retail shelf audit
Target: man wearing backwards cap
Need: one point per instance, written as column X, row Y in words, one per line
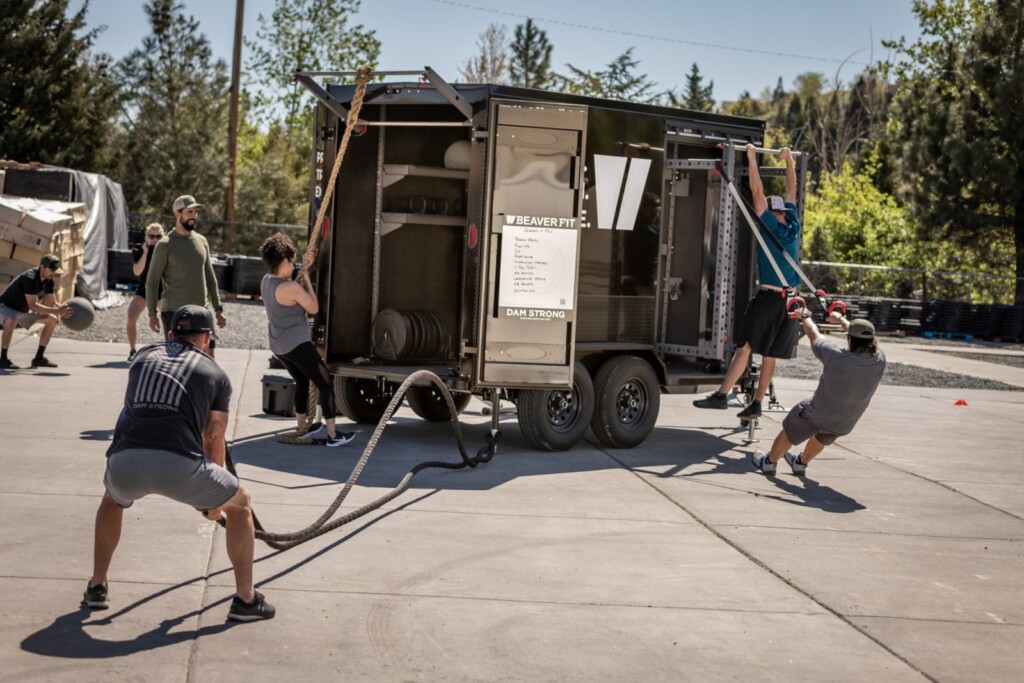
column 181, row 261
column 169, row 440
column 848, row 381
column 20, row 305
column 767, row 329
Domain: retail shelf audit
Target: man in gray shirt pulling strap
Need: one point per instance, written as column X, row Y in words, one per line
column 848, row 381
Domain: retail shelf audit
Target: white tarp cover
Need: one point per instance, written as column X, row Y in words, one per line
column 106, row 227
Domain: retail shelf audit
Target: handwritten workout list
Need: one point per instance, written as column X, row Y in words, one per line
column 538, row 267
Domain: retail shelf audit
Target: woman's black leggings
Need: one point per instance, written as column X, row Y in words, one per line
column 303, row 363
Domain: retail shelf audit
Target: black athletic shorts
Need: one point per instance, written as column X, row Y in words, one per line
column 768, row 327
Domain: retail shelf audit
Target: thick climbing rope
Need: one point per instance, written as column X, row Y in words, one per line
column 363, row 76
column 324, row 524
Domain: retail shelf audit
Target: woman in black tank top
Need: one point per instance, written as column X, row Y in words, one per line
column 140, row 266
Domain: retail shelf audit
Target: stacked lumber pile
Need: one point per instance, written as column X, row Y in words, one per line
column 31, row 228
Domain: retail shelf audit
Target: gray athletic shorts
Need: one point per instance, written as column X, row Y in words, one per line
column 25, row 320
column 798, row 428
column 137, row 472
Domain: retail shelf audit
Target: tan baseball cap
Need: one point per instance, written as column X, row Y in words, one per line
column 186, row 201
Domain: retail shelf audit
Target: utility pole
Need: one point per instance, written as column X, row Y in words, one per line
column 229, row 193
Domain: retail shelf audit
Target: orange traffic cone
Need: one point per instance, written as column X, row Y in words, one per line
column 960, row 402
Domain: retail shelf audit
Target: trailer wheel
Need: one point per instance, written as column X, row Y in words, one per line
column 556, row 420
column 627, row 402
column 363, row 400
column 429, row 403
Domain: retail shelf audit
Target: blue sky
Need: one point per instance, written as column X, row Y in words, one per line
column 739, row 44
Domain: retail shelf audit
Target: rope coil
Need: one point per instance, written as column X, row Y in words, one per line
column 283, row 541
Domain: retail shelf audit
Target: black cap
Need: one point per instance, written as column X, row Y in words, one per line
column 192, row 318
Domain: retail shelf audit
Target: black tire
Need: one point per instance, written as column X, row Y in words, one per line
column 363, row 400
column 556, row 419
column 429, row 403
column 627, row 401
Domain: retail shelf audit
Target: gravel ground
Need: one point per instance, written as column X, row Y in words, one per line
column 806, row 366
column 247, row 329
column 1012, row 361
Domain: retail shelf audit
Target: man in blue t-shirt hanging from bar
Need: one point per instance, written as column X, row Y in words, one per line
column 767, row 328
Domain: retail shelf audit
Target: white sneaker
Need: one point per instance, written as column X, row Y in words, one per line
column 799, row 469
column 761, row 463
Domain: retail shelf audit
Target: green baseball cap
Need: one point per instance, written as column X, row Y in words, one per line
column 186, row 201
column 861, row 329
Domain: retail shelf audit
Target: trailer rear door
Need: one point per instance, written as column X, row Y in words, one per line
column 535, row 203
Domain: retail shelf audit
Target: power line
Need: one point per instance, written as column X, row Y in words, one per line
column 645, row 36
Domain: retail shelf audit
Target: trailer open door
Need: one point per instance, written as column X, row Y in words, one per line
column 528, row 313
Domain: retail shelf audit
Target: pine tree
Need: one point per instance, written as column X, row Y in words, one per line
column 958, row 134
column 530, row 61
column 618, row 81
column 698, row 96
column 58, row 104
column 177, row 102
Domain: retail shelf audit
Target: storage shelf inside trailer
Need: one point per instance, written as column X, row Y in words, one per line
column 392, row 221
column 395, row 172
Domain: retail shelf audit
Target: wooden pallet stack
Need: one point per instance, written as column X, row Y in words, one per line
column 31, row 228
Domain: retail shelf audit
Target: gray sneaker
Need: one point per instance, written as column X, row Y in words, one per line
column 799, row 469
column 256, row 610
column 761, row 463
column 716, row 400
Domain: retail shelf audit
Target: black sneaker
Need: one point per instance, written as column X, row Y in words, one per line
column 256, row 610
column 96, row 597
column 751, row 411
column 315, row 431
column 43, row 362
column 131, row 355
column 6, row 364
column 716, row 400
column 339, row 439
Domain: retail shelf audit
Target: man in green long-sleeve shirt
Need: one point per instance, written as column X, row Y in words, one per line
column 181, row 262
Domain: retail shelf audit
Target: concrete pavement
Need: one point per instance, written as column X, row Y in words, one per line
column 898, row 558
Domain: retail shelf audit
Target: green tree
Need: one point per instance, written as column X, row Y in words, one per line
column 491, row 62
column 176, row 115
column 746, row 105
column 618, row 81
column 696, row 95
column 850, row 220
column 58, row 104
column 958, row 133
column 311, row 35
column 530, row 59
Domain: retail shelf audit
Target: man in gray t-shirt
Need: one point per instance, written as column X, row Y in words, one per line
column 170, row 441
column 848, row 381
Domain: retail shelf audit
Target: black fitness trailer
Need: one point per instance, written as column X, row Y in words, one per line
column 577, row 256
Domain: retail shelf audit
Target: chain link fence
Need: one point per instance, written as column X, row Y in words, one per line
column 855, row 279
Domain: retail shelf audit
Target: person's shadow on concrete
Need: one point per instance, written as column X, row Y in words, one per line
column 67, row 637
column 809, row 493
